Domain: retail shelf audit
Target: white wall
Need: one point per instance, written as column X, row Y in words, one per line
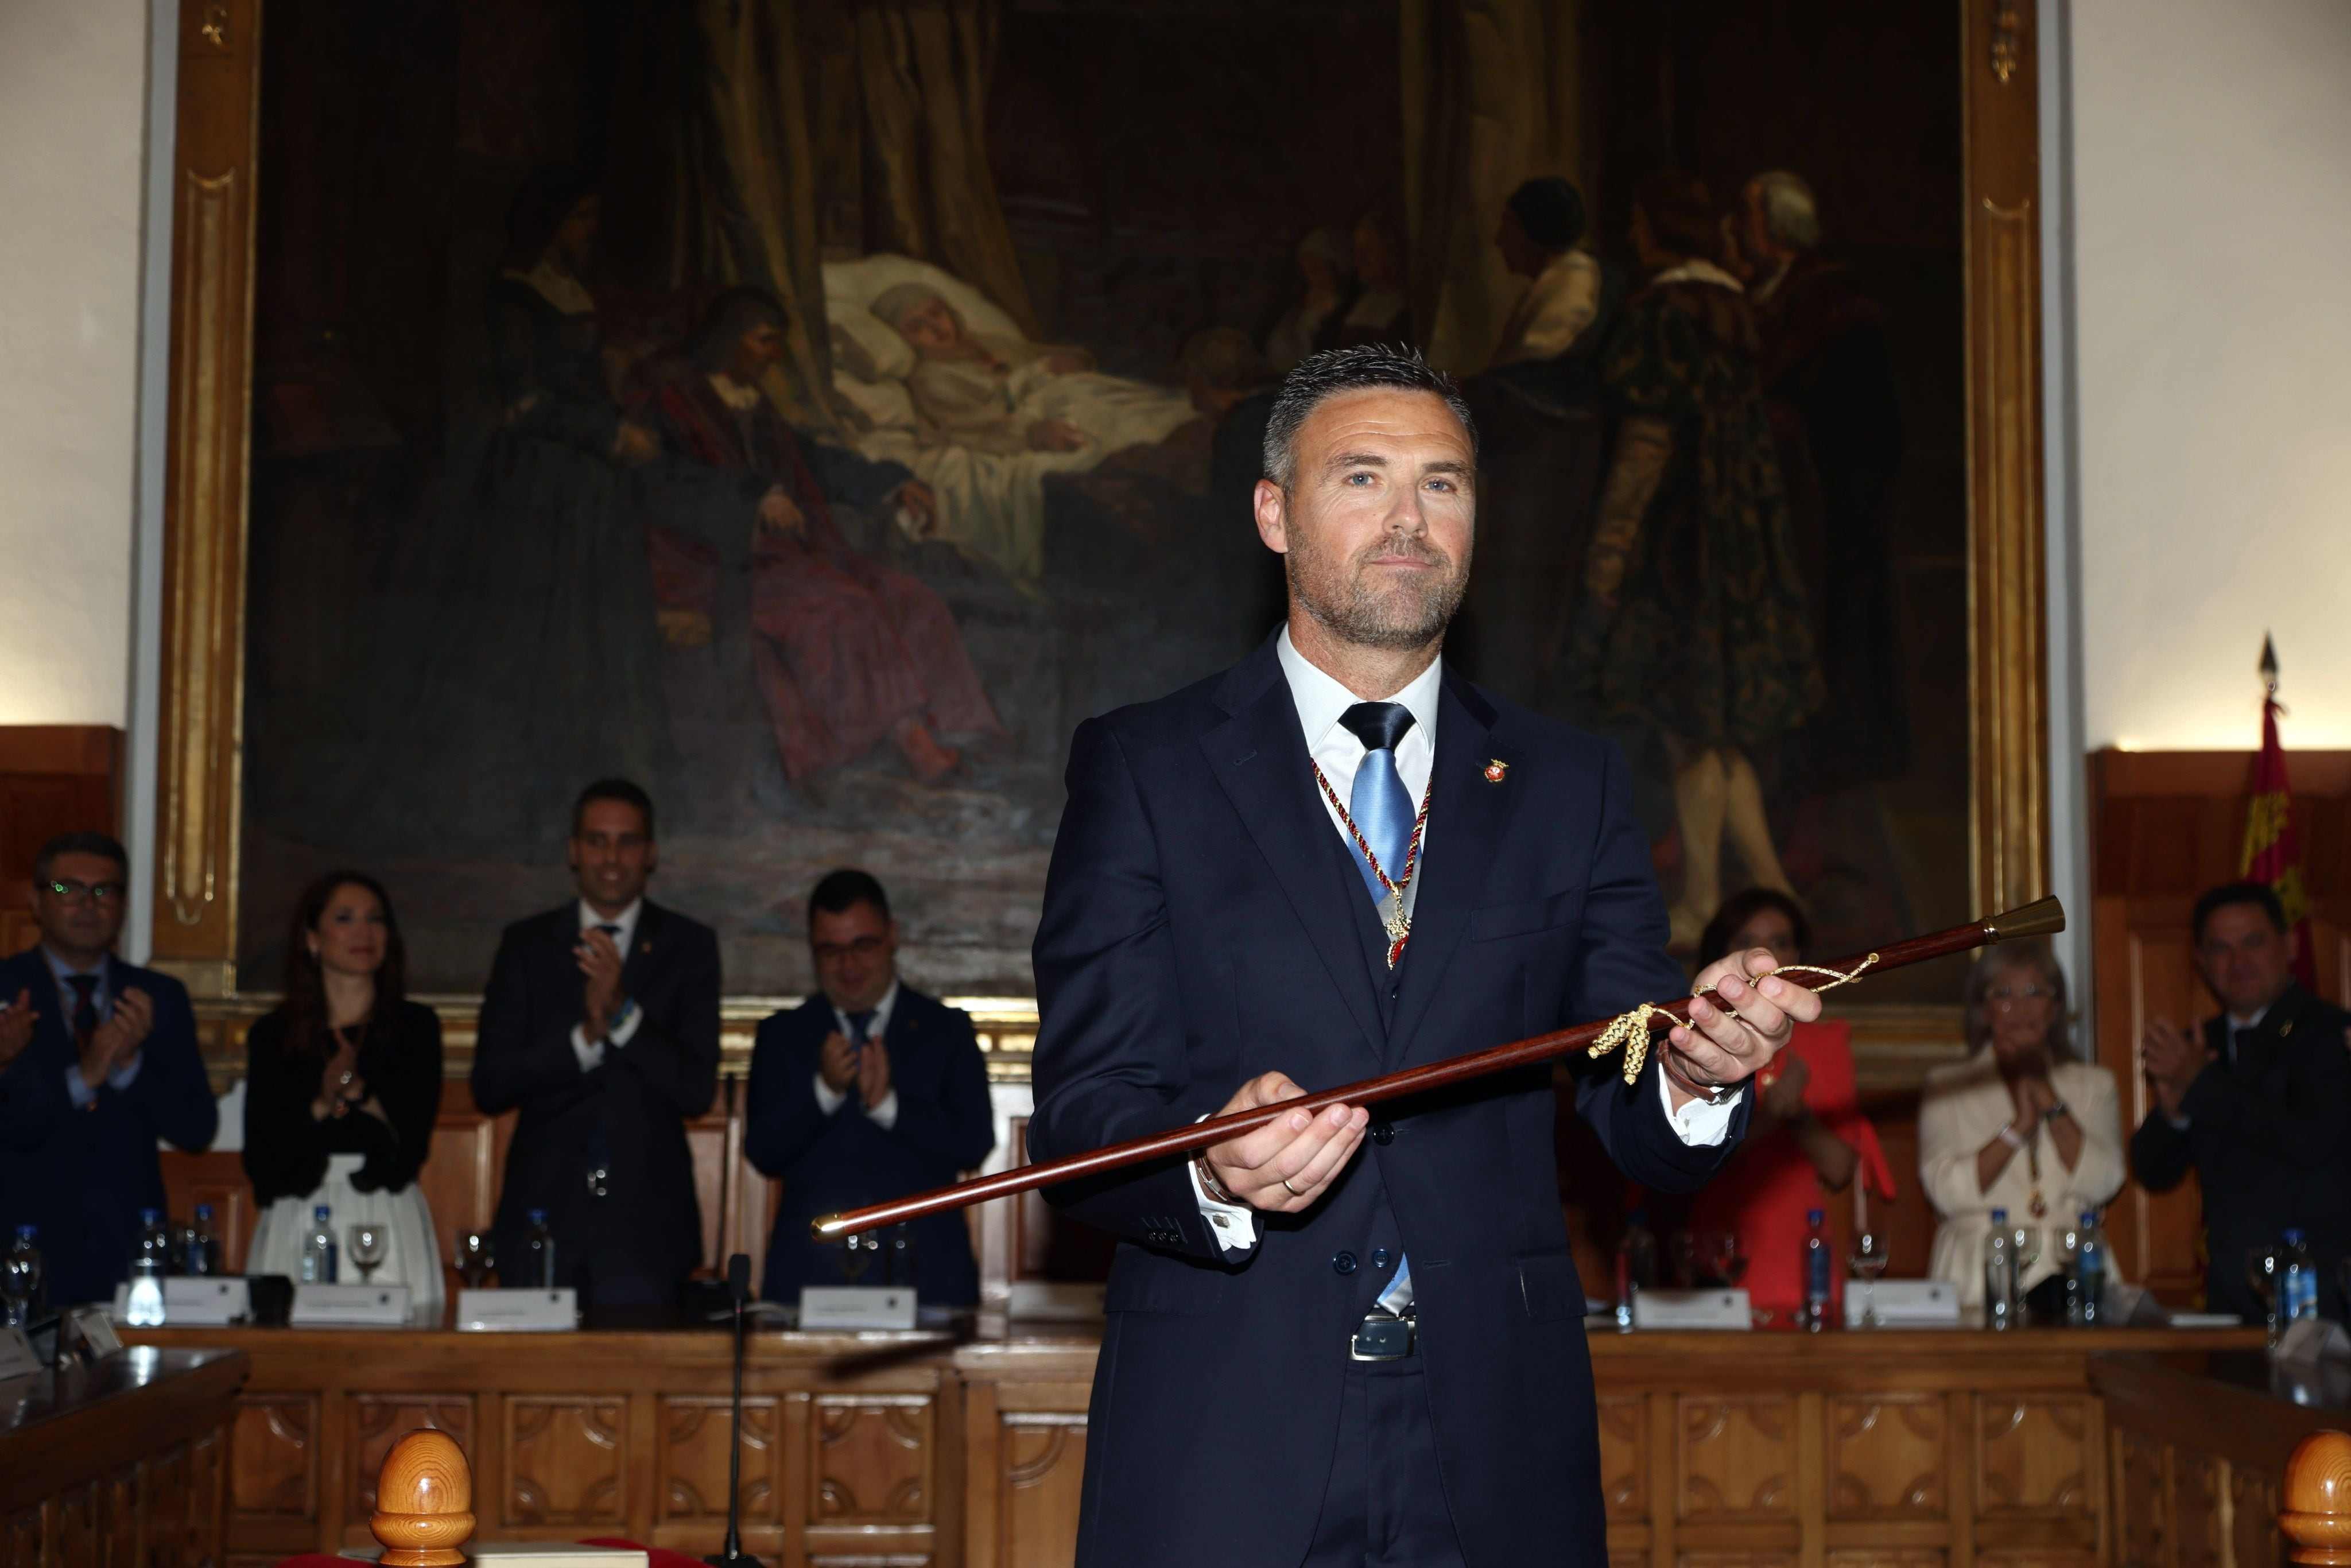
column 2212, row 265
column 73, row 126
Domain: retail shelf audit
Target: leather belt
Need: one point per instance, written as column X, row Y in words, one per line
column 1382, row 1336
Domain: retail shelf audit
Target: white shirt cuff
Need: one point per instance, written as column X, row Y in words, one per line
column 77, row 1089
column 589, row 1053
column 631, row 1018
column 2179, row 1123
column 829, row 1099
column 1697, row 1124
column 1235, row 1225
column 885, row 1114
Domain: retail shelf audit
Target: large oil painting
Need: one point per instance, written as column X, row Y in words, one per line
column 815, row 411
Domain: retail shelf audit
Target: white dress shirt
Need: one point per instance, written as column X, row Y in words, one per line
column 101, row 1000
column 620, row 1032
column 829, row 1099
column 1320, row 700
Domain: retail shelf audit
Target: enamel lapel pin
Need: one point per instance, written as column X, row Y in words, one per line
column 1495, row 769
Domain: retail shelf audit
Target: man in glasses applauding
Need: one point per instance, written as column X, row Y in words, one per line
column 868, row 1091
column 97, row 1062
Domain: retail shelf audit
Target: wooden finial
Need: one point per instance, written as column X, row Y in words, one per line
column 2316, row 1517
column 423, row 1502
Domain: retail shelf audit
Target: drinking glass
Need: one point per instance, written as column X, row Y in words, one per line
column 2263, row 1265
column 368, row 1244
column 477, row 1256
column 1724, row 1259
column 1871, row 1253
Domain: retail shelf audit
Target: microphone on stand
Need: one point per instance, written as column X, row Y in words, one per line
column 732, row 1556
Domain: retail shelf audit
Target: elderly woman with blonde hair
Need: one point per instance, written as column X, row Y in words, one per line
column 2020, row 1125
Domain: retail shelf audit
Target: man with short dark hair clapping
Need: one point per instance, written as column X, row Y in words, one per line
column 601, row 1024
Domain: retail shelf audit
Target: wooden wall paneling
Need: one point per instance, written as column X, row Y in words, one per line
column 216, row 147
column 1885, row 1456
column 566, row 1455
column 54, row 779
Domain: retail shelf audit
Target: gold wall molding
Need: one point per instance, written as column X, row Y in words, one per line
column 2008, row 565
column 199, row 803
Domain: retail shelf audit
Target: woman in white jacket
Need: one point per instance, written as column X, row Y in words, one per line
column 2020, row 1125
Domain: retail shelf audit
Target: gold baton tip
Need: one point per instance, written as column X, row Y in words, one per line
column 2042, row 918
column 825, row 1227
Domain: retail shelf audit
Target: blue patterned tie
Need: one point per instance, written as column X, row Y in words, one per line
column 861, row 1030
column 1381, row 810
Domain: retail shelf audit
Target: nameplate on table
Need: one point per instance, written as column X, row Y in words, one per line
column 1055, row 1301
column 2308, row 1341
column 17, row 1357
column 856, row 1307
column 518, row 1312
column 1691, row 1310
column 531, row 1554
column 1903, row 1304
column 349, row 1306
column 204, row 1302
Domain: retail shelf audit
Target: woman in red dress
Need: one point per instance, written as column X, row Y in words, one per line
column 1807, row 1138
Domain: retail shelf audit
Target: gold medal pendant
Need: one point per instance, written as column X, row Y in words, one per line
column 1392, row 916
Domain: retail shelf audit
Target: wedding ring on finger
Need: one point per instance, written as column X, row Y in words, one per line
column 1290, row 1189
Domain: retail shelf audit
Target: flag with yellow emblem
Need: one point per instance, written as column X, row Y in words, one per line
column 2272, row 855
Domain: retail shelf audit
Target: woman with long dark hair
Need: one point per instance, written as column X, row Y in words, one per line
column 342, row 1084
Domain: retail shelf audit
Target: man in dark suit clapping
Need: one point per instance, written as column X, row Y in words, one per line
column 601, row 1024
column 868, row 1091
column 2253, row 1103
column 98, row 1061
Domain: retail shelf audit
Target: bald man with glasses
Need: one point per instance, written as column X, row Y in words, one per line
column 97, row 1062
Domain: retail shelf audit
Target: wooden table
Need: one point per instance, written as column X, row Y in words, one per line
column 2200, row 1443
column 1922, row 1449
column 121, row 1463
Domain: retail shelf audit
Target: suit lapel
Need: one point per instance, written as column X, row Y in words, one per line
column 1259, row 757
column 1466, row 815
column 645, row 945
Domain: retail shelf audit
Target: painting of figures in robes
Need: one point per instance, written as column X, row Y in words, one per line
column 814, row 412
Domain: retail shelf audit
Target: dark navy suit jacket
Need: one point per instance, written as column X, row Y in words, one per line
column 83, row 1175
column 1203, row 925
column 632, row 1247
column 832, row 1162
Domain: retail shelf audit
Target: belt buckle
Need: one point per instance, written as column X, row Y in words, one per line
column 1381, row 1337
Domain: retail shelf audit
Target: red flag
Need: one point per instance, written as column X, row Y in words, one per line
column 2272, row 855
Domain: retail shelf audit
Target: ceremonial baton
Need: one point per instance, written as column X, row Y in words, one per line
column 1631, row 1032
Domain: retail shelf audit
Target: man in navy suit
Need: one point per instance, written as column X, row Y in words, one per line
column 98, row 1061
column 868, row 1091
column 601, row 1024
column 1338, row 859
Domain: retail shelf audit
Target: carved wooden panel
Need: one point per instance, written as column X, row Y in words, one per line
column 166, row 1488
column 207, row 1485
column 1738, row 1456
column 1737, row 1560
column 2143, row 1524
column 565, row 1456
column 1044, row 1461
column 2198, row 1483
column 2253, row 1531
column 379, row 1420
column 693, row 1452
column 869, row 1560
column 74, row 1531
column 1889, row 1557
column 273, row 1457
column 2033, row 1457
column 1886, row 1456
column 2037, row 1557
column 1624, row 1457
column 117, row 1517
column 20, row 1538
column 874, row 1459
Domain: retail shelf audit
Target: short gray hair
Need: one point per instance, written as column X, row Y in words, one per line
column 1791, row 215
column 1320, row 377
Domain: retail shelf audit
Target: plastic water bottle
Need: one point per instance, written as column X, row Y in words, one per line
column 2088, row 1305
column 203, row 1259
column 537, row 1254
column 20, row 1277
column 2297, row 1280
column 1816, row 1270
column 317, row 1266
column 149, row 1264
column 2000, row 1274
